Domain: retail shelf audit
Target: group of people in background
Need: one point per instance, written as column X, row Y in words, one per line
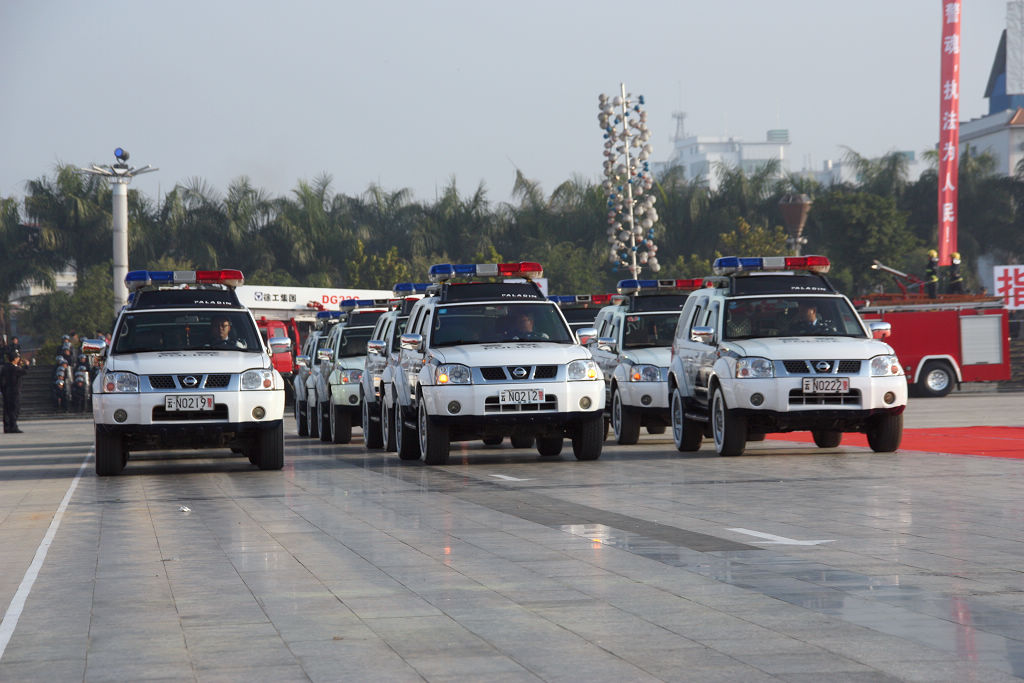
column 72, row 377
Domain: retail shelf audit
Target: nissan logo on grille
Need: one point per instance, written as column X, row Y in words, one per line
column 822, row 366
column 189, row 381
column 520, row 372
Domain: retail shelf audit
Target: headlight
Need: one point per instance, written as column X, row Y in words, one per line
column 452, row 373
column 582, row 369
column 257, row 379
column 120, row 382
column 645, row 373
column 885, row 366
column 751, row 368
column 350, row 376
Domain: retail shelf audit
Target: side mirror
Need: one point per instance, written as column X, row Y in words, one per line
column 376, row 347
column 879, row 329
column 302, row 361
column 91, row 346
column 702, row 334
column 608, row 344
column 325, row 354
column 280, row 344
column 585, row 335
column 411, row 341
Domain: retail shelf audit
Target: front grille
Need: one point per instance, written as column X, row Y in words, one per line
column 161, row 381
column 491, row 405
column 499, row 373
column 798, row 398
column 161, row 414
column 217, row 381
column 807, row 367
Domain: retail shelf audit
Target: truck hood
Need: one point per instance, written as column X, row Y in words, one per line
column 188, row 362
column 660, row 356
column 798, row 348
column 511, row 353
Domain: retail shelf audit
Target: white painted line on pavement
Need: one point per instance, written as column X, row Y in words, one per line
column 780, row 540
column 13, row 612
column 507, row 478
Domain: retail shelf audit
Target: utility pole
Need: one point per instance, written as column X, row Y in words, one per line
column 120, row 174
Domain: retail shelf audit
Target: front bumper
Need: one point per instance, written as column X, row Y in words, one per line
column 346, row 396
column 644, row 396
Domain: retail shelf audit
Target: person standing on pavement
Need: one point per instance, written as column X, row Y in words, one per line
column 10, row 383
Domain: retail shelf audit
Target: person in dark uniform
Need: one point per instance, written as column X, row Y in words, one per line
column 931, row 274
column 956, row 278
column 11, row 376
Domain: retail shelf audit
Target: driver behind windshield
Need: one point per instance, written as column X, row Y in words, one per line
column 522, row 326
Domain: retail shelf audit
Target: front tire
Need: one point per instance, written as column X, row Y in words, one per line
column 301, row 428
column 323, row 417
column 406, row 441
column 549, row 445
column 827, row 438
column 885, row 432
column 267, row 452
column 341, row 424
column 111, row 454
column 373, row 434
column 434, row 443
column 686, row 433
column 936, row 379
column 625, row 421
column 729, row 430
column 588, row 440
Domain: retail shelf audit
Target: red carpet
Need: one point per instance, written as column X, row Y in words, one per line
column 996, row 442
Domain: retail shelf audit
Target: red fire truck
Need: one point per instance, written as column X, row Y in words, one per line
column 947, row 340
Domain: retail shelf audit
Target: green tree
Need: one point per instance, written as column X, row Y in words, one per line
column 748, row 240
column 25, row 258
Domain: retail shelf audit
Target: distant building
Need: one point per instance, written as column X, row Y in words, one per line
column 839, row 172
column 699, row 156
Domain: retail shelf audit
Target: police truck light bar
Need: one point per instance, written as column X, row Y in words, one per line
column 593, row 299
column 442, row 272
column 728, row 265
column 350, row 304
column 137, row 279
column 327, row 315
column 658, row 286
column 409, row 288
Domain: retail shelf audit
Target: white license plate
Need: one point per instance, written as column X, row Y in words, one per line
column 826, row 385
column 515, row 396
column 192, row 402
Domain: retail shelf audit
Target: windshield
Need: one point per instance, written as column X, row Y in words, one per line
column 790, row 316
column 493, row 323
column 646, row 330
column 186, row 331
column 353, row 341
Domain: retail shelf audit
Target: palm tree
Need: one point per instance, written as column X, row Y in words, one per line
column 26, row 258
column 77, row 208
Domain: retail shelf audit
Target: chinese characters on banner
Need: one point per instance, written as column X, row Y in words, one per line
column 1010, row 285
column 949, row 130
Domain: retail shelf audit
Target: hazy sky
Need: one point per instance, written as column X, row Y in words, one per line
column 408, row 94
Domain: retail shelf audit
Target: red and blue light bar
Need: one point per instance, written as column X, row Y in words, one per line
column 659, row 286
column 137, row 279
column 586, row 299
column 727, row 265
column 442, row 272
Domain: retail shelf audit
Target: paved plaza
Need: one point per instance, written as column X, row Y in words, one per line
column 790, row 563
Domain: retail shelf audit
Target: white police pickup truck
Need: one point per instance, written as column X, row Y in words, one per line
column 773, row 347
column 633, row 344
column 187, row 368
column 485, row 360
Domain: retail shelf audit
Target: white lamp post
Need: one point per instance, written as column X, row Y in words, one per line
column 631, row 214
column 120, row 174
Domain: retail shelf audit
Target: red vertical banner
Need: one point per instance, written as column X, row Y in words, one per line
column 949, row 130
